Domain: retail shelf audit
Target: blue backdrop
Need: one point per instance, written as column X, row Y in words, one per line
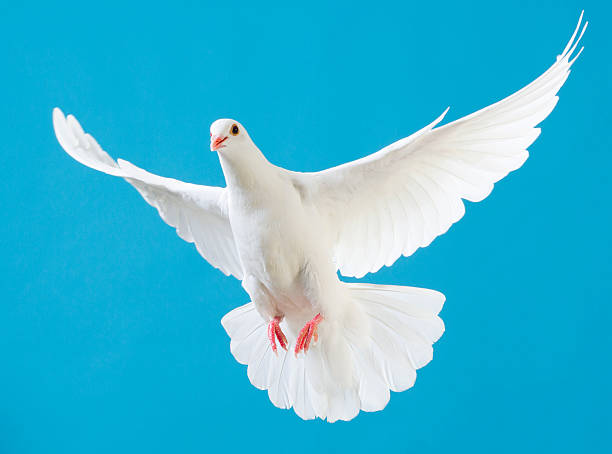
column 109, row 323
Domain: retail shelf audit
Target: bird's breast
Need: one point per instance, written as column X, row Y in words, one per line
column 273, row 235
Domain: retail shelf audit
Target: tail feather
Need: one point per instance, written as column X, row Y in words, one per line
column 403, row 325
column 373, row 388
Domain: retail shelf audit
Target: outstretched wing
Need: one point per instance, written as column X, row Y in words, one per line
column 394, row 201
column 199, row 213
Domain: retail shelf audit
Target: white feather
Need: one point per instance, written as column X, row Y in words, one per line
column 431, row 171
column 199, row 213
column 403, row 322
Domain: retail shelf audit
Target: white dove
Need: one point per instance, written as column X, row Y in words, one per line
column 286, row 234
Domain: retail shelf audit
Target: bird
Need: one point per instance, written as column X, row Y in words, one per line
column 326, row 347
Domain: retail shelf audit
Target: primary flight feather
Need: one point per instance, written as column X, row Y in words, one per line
column 322, row 346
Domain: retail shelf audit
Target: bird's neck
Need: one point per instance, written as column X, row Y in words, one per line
column 245, row 169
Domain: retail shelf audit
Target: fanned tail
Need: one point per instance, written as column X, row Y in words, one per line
column 353, row 370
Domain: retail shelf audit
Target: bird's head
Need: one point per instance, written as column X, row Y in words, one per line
column 227, row 135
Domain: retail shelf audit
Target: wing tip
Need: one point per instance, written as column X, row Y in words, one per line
column 442, row 115
column 434, row 123
column 62, row 132
column 573, row 41
column 57, row 116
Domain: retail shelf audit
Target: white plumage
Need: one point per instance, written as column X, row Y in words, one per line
column 285, row 234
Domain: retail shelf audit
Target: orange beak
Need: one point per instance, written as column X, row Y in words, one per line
column 216, row 142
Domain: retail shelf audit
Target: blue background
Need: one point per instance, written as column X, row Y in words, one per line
column 110, row 338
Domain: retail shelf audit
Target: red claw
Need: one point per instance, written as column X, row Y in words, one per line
column 309, row 331
column 275, row 332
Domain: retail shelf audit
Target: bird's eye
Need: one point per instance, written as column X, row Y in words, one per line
column 234, row 130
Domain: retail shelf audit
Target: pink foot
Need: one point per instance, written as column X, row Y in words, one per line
column 307, row 333
column 274, row 332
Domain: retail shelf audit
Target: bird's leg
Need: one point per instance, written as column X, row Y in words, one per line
column 307, row 333
column 274, row 332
